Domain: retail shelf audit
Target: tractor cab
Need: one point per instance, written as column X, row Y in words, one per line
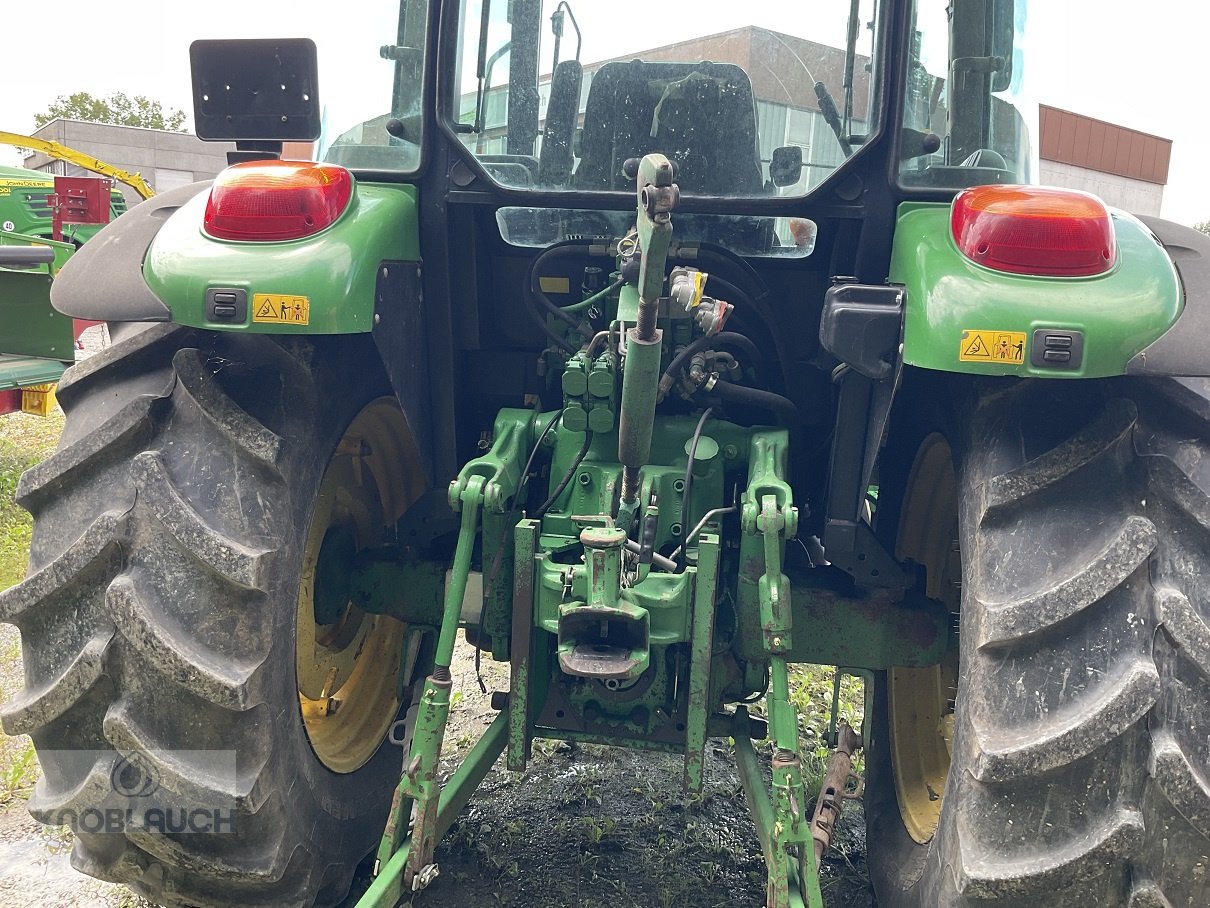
column 755, row 106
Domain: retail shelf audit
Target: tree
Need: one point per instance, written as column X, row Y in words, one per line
column 118, row 110
column 1203, row 226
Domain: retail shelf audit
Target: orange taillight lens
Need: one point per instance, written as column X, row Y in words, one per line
column 1034, row 230
column 276, row 200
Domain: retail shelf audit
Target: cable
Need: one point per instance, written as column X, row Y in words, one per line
column 660, row 561
column 600, row 294
column 688, row 482
column 761, row 693
column 571, row 471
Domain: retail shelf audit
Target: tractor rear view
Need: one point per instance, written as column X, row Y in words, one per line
column 656, row 365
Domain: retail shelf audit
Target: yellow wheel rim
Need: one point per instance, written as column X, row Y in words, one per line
column 921, row 700
column 349, row 662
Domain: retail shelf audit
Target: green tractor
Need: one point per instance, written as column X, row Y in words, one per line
column 658, row 353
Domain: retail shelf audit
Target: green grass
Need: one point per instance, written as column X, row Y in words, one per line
column 811, row 694
column 24, row 441
column 18, row 769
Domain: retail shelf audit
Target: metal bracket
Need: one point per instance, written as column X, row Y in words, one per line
column 861, row 420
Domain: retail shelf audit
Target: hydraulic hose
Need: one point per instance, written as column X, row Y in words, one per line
column 712, row 254
column 554, row 338
column 725, row 392
column 724, row 289
column 747, row 305
column 538, row 302
column 573, row 249
column 722, row 339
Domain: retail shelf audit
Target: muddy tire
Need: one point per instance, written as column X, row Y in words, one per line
column 1079, row 768
column 158, row 617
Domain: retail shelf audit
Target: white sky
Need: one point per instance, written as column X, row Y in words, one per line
column 1142, row 65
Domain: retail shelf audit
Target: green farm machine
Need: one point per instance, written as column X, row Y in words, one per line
column 43, row 219
column 657, row 353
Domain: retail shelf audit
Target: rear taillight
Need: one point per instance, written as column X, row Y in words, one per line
column 276, row 200
column 1034, row 230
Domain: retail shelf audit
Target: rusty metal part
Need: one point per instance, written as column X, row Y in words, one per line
column 836, row 790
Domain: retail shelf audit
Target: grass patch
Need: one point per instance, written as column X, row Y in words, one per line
column 811, row 688
column 18, row 769
column 24, row 441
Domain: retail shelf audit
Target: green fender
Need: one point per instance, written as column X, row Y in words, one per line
column 963, row 317
column 323, row 284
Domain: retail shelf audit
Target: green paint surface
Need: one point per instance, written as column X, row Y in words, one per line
column 1119, row 312
column 29, row 326
column 336, row 269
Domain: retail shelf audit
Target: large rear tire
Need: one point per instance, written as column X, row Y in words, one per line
column 1075, row 751
column 164, row 626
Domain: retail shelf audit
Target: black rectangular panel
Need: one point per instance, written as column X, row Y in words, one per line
column 258, row 89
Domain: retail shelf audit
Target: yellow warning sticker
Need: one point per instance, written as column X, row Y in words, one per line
column 1005, row 347
column 280, row 309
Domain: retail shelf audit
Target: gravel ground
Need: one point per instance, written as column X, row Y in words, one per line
column 35, row 867
column 93, row 339
column 582, row 827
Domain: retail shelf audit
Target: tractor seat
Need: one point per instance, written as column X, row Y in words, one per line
column 702, row 116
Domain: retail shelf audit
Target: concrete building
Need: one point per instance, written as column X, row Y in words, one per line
column 1125, row 167
column 165, row 159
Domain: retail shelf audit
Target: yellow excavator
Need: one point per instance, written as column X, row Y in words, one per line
column 88, row 162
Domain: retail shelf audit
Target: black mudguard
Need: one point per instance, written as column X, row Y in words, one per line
column 1181, row 350
column 103, row 280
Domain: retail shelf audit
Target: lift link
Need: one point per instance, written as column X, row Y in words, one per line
column 793, row 867
column 419, row 783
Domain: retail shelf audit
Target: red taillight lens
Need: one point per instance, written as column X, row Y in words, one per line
column 276, row 200
column 1034, row 230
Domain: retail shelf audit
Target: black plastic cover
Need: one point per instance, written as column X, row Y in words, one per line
column 861, row 325
column 103, row 280
column 261, row 89
column 1181, row 350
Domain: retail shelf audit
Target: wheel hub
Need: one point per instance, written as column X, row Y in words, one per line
column 350, row 676
column 921, row 700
